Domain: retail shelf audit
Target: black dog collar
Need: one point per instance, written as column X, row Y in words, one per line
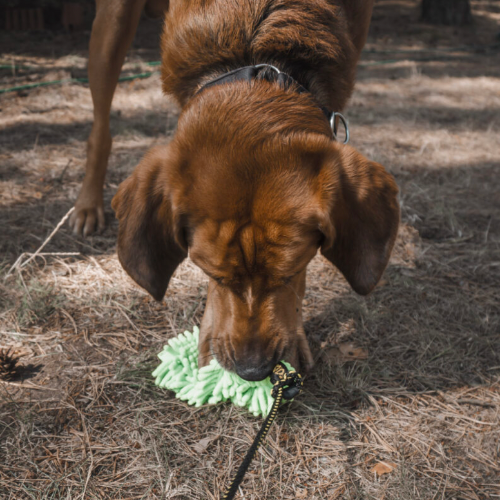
column 249, row 73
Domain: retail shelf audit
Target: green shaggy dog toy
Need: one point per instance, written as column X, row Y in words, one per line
column 211, row 384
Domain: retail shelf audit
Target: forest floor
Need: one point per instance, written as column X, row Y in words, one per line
column 404, row 400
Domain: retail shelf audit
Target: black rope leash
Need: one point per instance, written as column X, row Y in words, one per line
column 286, row 384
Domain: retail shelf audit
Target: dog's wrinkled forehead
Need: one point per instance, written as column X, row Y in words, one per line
column 252, row 215
column 231, row 252
column 276, row 181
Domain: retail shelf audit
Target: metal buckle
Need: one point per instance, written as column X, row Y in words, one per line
column 268, row 66
column 333, row 124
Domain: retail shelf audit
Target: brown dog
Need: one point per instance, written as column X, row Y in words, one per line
column 253, row 183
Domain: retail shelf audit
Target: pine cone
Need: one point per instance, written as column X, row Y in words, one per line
column 8, row 364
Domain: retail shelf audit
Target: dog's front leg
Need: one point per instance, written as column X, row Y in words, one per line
column 113, row 30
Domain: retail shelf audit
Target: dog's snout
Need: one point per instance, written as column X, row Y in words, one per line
column 254, row 372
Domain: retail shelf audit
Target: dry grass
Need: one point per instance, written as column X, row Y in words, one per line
column 84, row 420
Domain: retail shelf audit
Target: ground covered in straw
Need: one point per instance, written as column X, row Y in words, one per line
column 404, row 401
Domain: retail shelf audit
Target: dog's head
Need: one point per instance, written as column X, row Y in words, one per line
column 252, row 200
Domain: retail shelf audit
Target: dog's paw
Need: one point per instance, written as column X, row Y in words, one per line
column 88, row 216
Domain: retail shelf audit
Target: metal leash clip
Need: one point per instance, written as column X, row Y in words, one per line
column 288, row 380
column 333, row 124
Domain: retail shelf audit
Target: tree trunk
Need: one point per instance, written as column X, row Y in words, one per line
column 449, row 12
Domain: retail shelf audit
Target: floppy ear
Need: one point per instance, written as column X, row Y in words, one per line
column 150, row 239
column 362, row 217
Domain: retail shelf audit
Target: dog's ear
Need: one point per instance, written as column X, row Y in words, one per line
column 151, row 241
column 360, row 216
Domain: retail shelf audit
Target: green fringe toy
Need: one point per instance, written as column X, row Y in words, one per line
column 210, row 384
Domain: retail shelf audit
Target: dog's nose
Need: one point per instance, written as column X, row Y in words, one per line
column 254, row 373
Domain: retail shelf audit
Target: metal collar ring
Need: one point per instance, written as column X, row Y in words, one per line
column 333, row 124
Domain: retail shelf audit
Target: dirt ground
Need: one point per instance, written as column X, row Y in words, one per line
column 404, row 401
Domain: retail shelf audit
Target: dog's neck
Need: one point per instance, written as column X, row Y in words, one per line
column 257, row 72
column 308, row 41
column 271, row 74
